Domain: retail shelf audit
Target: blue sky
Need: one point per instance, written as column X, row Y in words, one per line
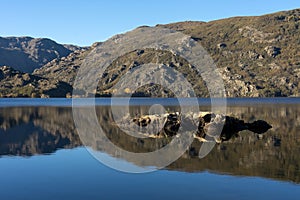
column 85, row 22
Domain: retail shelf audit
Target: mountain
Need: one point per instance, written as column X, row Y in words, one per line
column 257, row 56
column 26, row 53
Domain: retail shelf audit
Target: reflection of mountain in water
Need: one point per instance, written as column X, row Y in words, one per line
column 38, row 130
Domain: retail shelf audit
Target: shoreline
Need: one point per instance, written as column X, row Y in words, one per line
column 138, row 101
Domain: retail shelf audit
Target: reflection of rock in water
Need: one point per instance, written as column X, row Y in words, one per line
column 275, row 154
column 210, row 126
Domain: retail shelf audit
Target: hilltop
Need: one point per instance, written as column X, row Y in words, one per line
column 27, row 54
column 257, row 56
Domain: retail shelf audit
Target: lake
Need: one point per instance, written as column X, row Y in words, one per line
column 43, row 157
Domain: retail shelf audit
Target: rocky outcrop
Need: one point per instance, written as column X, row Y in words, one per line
column 65, row 68
column 211, row 126
column 14, row 83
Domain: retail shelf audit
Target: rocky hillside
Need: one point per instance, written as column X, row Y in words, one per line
column 63, row 69
column 26, row 53
column 14, row 83
column 257, row 56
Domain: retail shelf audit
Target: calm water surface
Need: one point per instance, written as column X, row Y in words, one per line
column 42, row 156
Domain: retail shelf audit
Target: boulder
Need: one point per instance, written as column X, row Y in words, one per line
column 222, row 45
column 272, row 51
